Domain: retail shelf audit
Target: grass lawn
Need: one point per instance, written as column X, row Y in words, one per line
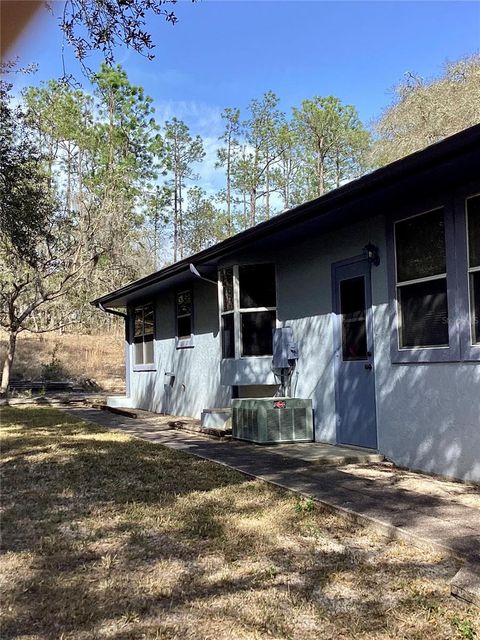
column 106, row 536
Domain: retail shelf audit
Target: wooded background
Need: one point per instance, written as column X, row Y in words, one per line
column 96, row 192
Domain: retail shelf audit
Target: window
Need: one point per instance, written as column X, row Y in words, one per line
column 473, row 265
column 227, row 321
column 434, row 273
column 248, row 310
column 421, row 281
column 184, row 323
column 354, row 319
column 143, row 334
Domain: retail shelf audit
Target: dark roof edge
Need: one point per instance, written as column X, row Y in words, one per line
column 424, row 158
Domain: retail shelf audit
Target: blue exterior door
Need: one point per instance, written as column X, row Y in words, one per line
column 354, row 373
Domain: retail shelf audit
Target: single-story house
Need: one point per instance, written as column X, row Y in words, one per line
column 378, row 282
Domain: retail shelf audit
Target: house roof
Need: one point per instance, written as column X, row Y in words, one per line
column 412, row 165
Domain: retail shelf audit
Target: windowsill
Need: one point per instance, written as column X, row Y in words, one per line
column 471, row 353
column 184, row 343
column 425, row 355
column 144, row 367
column 233, row 359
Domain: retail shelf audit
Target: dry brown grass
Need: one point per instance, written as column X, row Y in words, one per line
column 98, row 357
column 107, row 536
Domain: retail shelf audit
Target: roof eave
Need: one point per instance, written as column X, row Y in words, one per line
column 406, row 166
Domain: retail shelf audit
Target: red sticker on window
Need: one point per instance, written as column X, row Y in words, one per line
column 279, row 404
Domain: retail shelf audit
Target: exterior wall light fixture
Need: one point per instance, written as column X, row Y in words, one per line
column 371, row 253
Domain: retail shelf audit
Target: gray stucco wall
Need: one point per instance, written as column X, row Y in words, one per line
column 197, row 373
column 305, row 304
column 428, row 415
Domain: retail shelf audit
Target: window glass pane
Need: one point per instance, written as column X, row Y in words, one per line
column 354, row 319
column 228, row 336
column 184, row 327
column 148, row 350
column 424, row 314
column 184, row 303
column 257, row 286
column 473, row 209
column 138, row 351
column 257, row 333
column 226, row 277
column 138, row 320
column 420, row 246
column 148, row 319
column 475, row 302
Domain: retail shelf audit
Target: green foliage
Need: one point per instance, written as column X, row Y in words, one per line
column 54, row 370
column 26, row 201
column 333, row 140
column 203, row 225
column 305, row 505
column 227, row 156
column 182, row 152
column 464, row 627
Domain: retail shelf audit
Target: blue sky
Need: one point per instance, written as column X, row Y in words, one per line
column 225, row 53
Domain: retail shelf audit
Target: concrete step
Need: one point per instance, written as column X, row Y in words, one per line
column 323, row 453
column 217, row 418
column 196, row 427
column 466, row 584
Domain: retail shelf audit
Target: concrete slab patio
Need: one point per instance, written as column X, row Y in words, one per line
column 322, row 453
column 426, row 510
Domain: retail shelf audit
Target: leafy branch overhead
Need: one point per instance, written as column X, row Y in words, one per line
column 103, row 25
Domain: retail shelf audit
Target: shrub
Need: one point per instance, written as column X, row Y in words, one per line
column 54, row 370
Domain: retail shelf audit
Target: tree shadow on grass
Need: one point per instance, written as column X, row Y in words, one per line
column 107, row 536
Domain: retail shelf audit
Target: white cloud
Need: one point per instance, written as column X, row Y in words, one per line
column 210, row 178
column 203, row 120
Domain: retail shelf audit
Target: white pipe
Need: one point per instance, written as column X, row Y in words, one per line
column 195, row 272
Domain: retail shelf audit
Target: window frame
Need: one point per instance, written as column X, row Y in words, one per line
column 237, row 310
column 184, row 342
column 144, row 366
column 470, row 352
column 425, row 354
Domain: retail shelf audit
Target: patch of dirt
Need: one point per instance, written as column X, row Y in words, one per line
column 385, row 473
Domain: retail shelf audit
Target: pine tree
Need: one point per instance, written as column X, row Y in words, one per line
column 182, row 152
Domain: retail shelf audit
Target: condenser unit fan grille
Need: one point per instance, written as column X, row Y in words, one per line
column 269, row 420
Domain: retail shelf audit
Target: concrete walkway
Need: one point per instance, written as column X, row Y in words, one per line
column 401, row 503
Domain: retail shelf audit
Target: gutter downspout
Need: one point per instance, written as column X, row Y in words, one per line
column 112, row 311
column 123, row 315
column 197, row 274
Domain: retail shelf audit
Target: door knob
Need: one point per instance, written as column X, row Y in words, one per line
column 369, row 367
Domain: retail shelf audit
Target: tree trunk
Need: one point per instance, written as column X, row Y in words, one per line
column 7, row 366
column 229, row 196
column 253, row 206
column 180, row 217
column 320, row 167
column 175, row 221
column 156, row 242
column 267, row 194
column 337, row 168
column 320, row 177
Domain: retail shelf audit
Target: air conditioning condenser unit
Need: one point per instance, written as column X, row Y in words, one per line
column 271, row 420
